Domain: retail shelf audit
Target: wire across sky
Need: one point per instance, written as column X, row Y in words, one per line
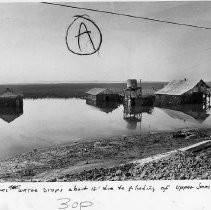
column 128, row 15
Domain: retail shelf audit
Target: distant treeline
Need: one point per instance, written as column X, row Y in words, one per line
column 72, row 90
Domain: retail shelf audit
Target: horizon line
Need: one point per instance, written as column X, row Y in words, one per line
column 60, row 82
column 92, row 81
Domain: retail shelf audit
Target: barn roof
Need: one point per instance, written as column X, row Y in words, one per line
column 97, row 91
column 179, row 87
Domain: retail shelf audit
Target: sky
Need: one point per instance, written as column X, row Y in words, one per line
column 33, row 47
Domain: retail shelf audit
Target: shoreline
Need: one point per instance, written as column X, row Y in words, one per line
column 91, row 139
column 68, row 162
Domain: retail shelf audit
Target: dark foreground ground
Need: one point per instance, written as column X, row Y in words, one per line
column 178, row 166
column 113, row 159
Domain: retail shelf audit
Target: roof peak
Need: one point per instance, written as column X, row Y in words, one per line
column 96, row 91
column 179, row 87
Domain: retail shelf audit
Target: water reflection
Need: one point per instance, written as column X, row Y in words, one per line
column 195, row 113
column 9, row 114
column 53, row 121
column 106, row 107
column 133, row 115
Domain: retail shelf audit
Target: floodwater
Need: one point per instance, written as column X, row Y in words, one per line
column 47, row 122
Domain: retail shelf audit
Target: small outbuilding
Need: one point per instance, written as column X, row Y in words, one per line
column 184, row 91
column 99, row 95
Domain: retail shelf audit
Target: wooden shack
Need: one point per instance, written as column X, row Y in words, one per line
column 99, row 95
column 184, row 91
column 10, row 99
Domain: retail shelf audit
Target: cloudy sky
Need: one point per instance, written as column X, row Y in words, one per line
column 33, row 49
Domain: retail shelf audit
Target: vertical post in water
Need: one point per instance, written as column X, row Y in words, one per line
column 140, row 87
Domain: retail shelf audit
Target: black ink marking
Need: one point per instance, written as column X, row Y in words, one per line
column 108, row 188
column 93, row 189
column 85, row 32
column 75, row 205
column 165, row 188
column 121, row 187
column 201, row 186
column 85, row 204
column 64, row 204
column 130, row 188
column 184, row 187
column 14, row 187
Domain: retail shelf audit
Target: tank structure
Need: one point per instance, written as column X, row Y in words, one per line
column 133, row 95
column 132, row 92
column 132, row 84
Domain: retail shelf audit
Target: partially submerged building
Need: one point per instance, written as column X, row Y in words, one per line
column 10, row 99
column 184, row 91
column 101, row 95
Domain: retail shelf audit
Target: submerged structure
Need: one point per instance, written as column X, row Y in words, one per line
column 133, row 95
column 106, row 107
column 180, row 92
column 102, row 95
column 10, row 99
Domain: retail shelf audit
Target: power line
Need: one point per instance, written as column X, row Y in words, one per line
column 127, row 15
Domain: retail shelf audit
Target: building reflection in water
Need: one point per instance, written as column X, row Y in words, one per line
column 9, row 114
column 196, row 113
column 106, row 107
column 133, row 115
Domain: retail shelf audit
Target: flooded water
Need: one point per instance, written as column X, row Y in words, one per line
column 46, row 122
